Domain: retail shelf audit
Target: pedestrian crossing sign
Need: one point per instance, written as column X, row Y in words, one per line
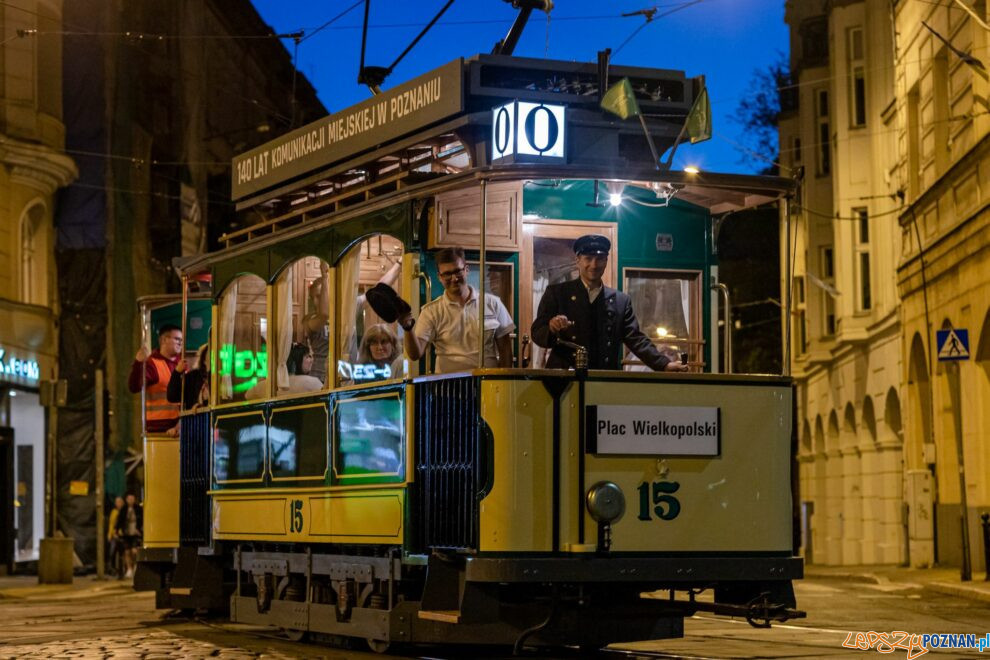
column 953, row 344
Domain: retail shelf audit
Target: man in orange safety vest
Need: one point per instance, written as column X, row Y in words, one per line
column 160, row 415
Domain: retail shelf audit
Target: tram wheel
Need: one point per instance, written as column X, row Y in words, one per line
column 378, row 645
column 294, row 635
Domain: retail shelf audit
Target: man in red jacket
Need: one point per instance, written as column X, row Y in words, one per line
column 160, row 415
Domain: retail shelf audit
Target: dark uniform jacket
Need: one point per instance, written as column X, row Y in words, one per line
column 602, row 327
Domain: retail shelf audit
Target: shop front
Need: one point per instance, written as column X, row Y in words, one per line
column 27, row 356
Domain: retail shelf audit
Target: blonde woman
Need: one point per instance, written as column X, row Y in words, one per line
column 380, row 348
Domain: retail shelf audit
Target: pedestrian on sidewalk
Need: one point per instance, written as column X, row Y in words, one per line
column 115, row 541
column 130, row 524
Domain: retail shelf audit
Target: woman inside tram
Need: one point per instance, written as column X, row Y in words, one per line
column 299, row 364
column 380, row 353
column 197, row 381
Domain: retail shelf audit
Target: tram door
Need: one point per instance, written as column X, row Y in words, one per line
column 548, row 258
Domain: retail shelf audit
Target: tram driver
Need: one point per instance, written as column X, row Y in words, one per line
column 585, row 312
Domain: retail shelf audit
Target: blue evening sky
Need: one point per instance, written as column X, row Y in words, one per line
column 725, row 40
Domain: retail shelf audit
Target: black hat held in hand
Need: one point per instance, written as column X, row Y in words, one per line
column 386, row 302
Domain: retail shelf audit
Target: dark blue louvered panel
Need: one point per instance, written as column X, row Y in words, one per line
column 447, row 448
column 194, row 479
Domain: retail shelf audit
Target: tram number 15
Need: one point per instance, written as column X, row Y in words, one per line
column 656, row 499
column 296, row 516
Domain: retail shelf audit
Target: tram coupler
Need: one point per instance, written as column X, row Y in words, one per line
column 760, row 612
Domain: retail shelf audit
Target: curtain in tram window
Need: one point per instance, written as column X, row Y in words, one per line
column 283, row 296
column 349, row 272
column 686, row 304
column 228, row 310
column 537, row 354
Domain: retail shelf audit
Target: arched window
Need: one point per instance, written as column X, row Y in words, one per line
column 302, row 327
column 369, row 349
column 34, row 256
column 243, row 340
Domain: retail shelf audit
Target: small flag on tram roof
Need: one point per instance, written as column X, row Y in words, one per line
column 620, row 100
column 699, row 120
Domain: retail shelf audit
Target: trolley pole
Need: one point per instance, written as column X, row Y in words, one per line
column 101, row 540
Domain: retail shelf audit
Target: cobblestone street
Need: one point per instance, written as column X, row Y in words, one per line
column 106, row 619
column 95, row 619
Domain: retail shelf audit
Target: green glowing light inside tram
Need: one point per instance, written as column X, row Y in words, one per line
column 246, row 365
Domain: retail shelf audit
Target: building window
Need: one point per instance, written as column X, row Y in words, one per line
column 796, row 150
column 34, row 264
column 824, row 165
column 828, row 301
column 857, row 78
column 864, row 296
column 814, row 41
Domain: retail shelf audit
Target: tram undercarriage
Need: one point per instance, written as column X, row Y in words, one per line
column 587, row 602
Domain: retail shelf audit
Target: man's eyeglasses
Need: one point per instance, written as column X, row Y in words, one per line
column 446, row 275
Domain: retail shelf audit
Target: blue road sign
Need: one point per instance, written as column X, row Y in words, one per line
column 953, row 344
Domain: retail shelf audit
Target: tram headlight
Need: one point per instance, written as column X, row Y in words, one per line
column 605, row 502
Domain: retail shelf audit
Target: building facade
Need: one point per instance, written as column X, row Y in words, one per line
column 943, row 278
column 33, row 168
column 158, row 97
column 863, row 74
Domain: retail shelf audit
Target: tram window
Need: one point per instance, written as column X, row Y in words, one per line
column 239, row 447
column 297, row 440
column 369, row 348
column 499, row 282
column 369, row 438
column 302, row 316
column 243, row 333
column 668, row 307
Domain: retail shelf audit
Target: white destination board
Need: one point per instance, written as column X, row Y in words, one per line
column 653, row 430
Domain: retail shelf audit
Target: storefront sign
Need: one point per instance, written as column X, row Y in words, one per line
column 653, row 430
column 14, row 367
column 407, row 108
column 534, row 131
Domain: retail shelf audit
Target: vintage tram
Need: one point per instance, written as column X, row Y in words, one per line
column 367, row 496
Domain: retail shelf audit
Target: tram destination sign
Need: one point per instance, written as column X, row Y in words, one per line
column 653, row 430
column 422, row 101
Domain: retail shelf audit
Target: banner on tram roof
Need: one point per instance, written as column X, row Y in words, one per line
column 424, row 100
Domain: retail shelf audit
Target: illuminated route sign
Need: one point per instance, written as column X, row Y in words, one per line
column 528, row 132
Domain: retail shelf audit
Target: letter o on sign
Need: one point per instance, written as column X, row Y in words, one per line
column 503, row 130
column 541, row 129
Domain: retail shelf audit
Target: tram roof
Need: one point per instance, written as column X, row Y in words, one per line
column 434, row 133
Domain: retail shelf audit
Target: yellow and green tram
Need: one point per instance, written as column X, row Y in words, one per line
column 376, row 499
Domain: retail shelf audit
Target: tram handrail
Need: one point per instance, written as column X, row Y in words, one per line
column 727, row 320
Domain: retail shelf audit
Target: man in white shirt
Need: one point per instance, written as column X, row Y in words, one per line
column 450, row 322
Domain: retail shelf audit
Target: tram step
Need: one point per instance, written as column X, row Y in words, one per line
column 443, row 616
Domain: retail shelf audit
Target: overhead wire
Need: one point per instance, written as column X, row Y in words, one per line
column 650, row 15
column 331, row 21
column 328, row 25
